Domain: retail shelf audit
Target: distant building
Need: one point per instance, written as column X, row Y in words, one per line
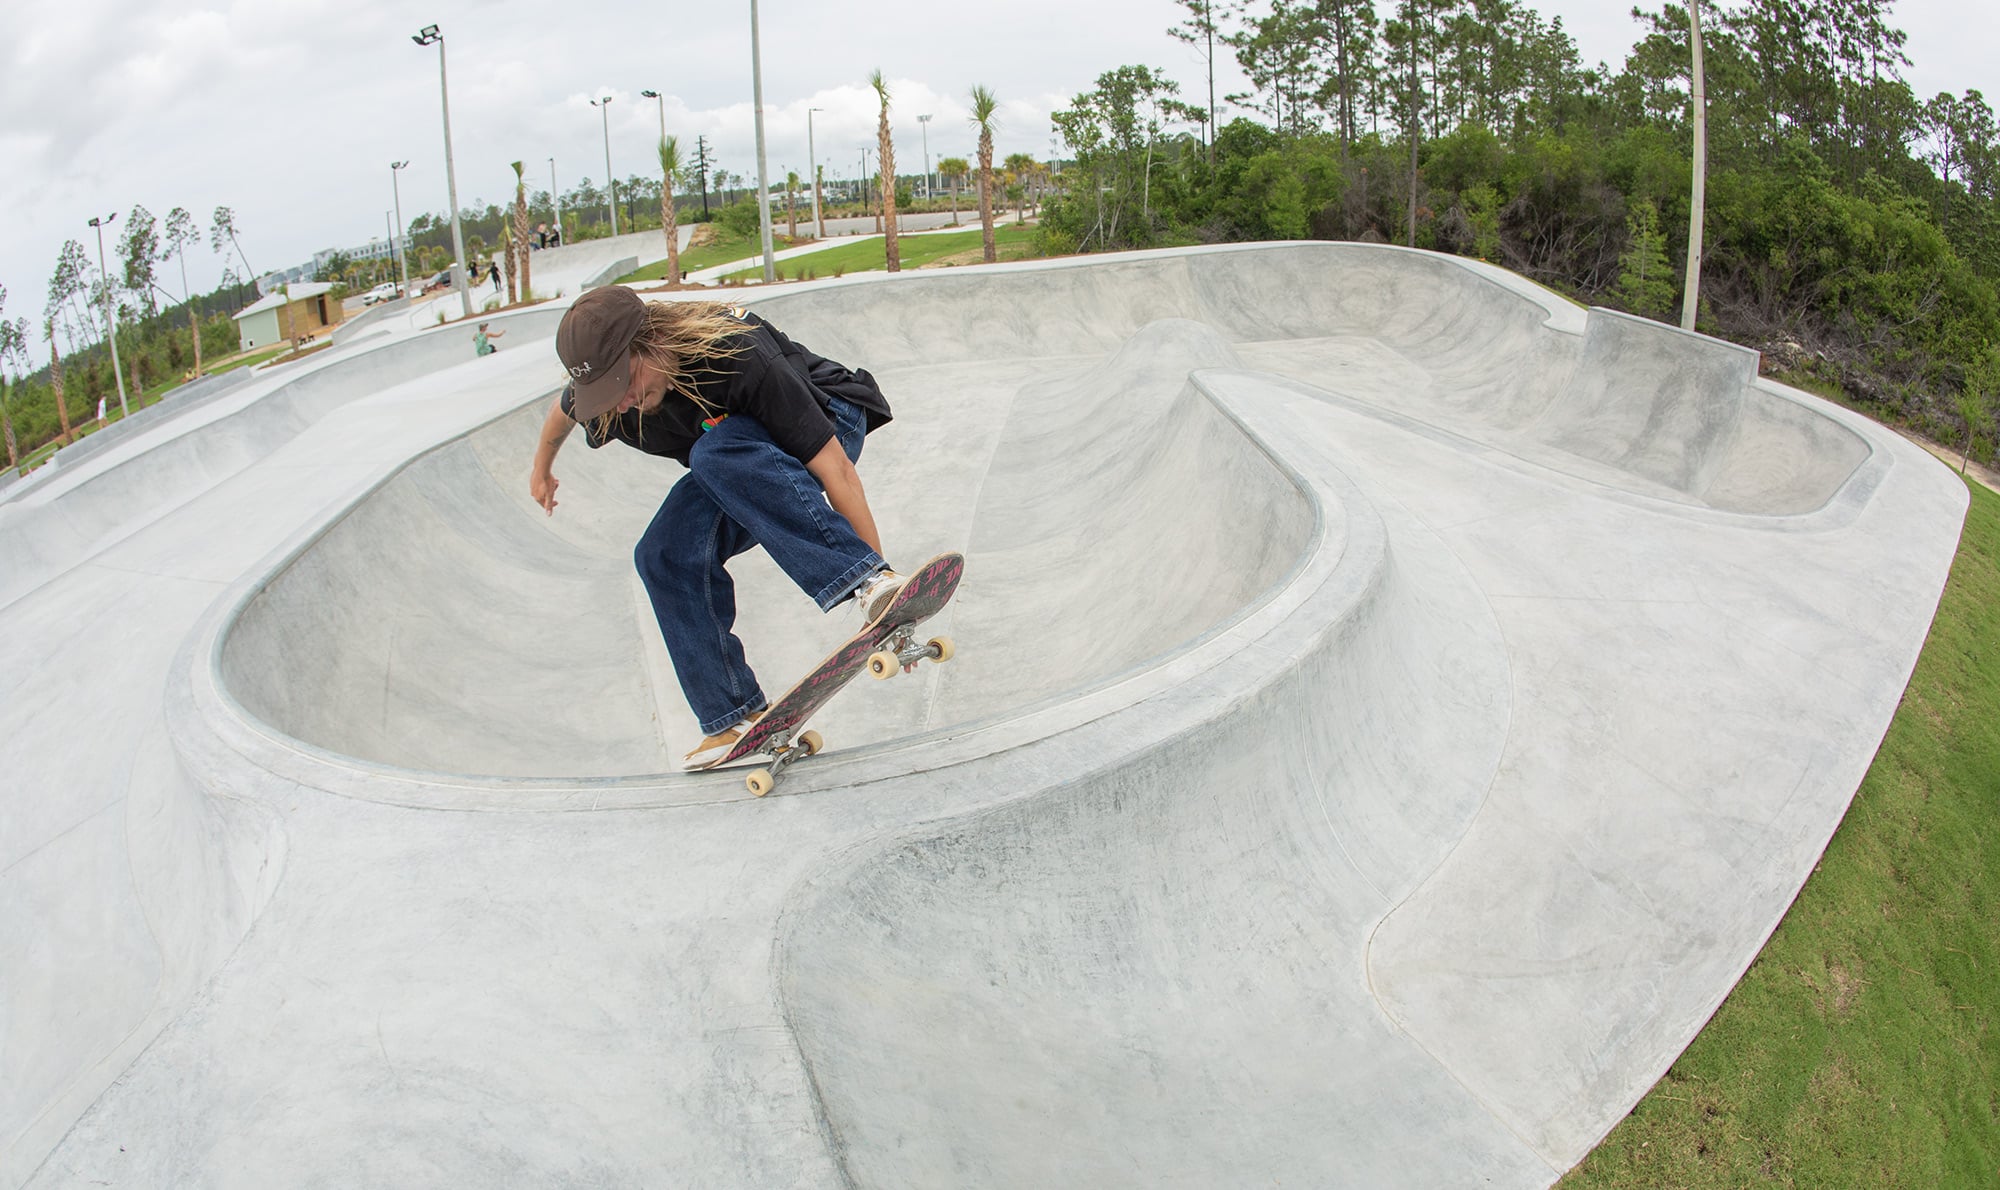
column 376, row 249
column 277, row 319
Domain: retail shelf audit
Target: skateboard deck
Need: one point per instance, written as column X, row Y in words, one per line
column 929, row 588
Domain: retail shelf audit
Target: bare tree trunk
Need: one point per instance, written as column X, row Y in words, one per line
column 194, row 331
column 56, row 379
column 521, row 241
column 7, row 423
column 515, row 250
column 986, row 195
column 670, row 223
column 885, row 159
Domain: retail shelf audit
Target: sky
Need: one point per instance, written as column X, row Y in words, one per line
column 290, row 111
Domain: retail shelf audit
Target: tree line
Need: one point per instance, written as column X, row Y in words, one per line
column 1852, row 227
column 163, row 337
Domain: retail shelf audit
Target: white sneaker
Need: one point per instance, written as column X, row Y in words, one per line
column 876, row 592
column 717, row 746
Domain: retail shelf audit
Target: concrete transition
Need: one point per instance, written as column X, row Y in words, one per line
column 1393, row 707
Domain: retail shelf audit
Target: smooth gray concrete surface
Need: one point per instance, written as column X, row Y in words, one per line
column 1393, row 707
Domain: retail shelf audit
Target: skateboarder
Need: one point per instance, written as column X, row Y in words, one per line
column 769, row 433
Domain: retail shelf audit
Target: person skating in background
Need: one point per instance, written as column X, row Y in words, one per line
column 482, row 340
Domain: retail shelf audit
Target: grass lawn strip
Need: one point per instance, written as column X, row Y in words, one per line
column 1861, row 1047
column 916, row 251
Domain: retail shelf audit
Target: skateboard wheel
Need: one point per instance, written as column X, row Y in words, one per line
column 883, row 665
column 760, row 782
column 812, row 742
column 942, row 645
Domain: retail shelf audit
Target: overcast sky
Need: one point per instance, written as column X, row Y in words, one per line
column 289, row 111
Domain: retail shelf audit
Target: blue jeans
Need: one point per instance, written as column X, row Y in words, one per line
column 743, row 490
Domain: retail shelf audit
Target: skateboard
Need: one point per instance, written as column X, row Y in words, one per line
column 882, row 648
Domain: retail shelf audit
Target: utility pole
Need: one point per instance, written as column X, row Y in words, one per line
column 429, row 35
column 1691, row 288
column 110, row 311
column 819, row 225
column 763, row 180
column 395, row 186
column 555, row 200
column 603, row 107
column 924, row 122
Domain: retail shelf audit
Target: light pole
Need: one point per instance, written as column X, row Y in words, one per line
column 395, row 186
column 862, row 184
column 1698, row 111
column 603, row 107
column 819, row 226
column 110, row 312
column 429, row 35
column 555, row 199
column 666, row 180
column 655, row 95
column 924, row 122
column 763, row 176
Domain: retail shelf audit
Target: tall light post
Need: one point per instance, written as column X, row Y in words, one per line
column 603, row 107
column 763, row 174
column 429, row 35
column 924, row 122
column 555, row 199
column 862, row 184
column 395, row 186
column 110, row 312
column 1698, row 111
column 662, row 100
column 819, row 225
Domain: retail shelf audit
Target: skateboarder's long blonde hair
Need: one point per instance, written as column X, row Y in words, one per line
column 678, row 335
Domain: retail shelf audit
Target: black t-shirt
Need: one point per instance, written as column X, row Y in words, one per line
column 778, row 382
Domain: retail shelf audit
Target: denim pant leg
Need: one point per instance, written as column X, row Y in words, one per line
column 682, row 555
column 774, row 497
column 681, row 559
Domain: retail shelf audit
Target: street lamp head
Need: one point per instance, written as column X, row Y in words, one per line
column 108, row 219
column 428, row 35
column 650, row 94
column 397, row 164
column 604, row 102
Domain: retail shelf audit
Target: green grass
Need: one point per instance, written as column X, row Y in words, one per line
column 708, row 256
column 1861, row 1048
column 1010, row 242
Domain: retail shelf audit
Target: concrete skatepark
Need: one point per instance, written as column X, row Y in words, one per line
column 1393, row 706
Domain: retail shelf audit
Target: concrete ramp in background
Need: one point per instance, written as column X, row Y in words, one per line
column 1393, row 706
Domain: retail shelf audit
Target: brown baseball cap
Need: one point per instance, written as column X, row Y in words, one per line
column 594, row 344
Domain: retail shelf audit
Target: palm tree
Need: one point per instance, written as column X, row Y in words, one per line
column 954, row 169
column 670, row 165
column 1021, row 168
column 886, row 155
column 984, row 105
column 520, row 245
column 791, row 205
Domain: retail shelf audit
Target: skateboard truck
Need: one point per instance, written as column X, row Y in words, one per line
column 785, row 754
column 884, row 647
column 900, row 650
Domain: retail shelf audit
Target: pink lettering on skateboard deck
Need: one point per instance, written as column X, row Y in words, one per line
column 926, row 592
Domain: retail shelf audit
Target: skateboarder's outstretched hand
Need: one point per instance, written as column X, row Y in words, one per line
column 542, row 481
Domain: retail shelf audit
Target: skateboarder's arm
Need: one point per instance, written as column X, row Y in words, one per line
column 836, row 473
column 542, row 482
